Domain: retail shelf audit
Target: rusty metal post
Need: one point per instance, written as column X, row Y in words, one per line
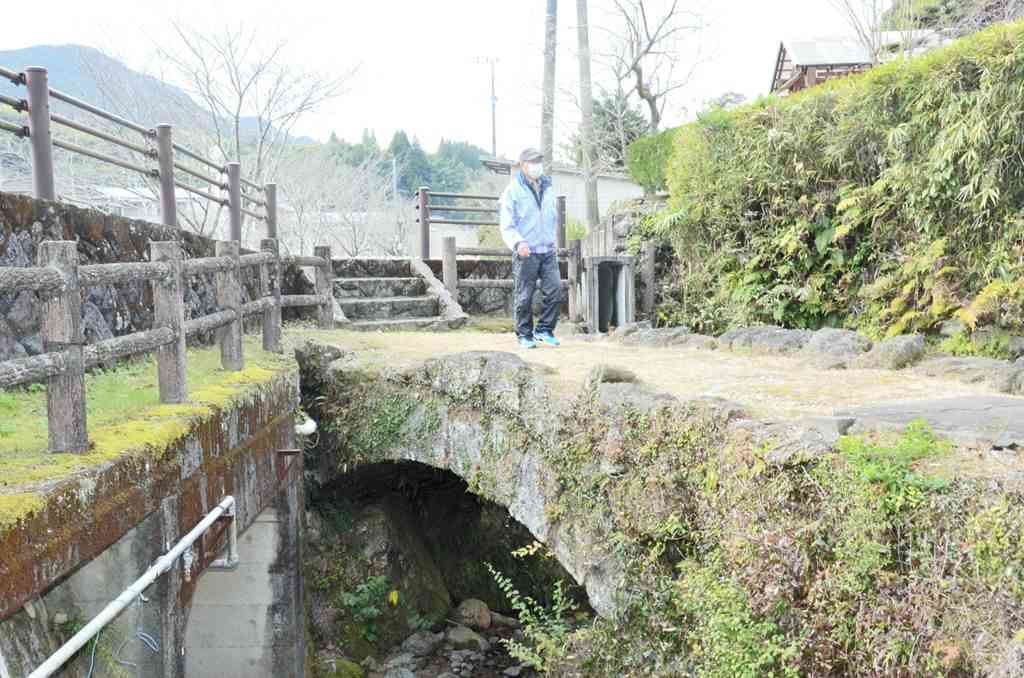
column 560, row 229
column 37, row 83
column 235, row 200
column 424, row 197
column 165, row 156
column 270, row 195
column 62, row 332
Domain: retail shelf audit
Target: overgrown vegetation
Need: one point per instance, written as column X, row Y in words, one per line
column 886, row 202
column 857, row 562
column 648, row 159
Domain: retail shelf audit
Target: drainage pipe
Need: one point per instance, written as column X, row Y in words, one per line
column 162, row 565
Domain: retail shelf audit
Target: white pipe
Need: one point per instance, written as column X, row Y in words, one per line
column 165, row 563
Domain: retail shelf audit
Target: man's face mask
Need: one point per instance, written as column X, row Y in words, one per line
column 535, row 169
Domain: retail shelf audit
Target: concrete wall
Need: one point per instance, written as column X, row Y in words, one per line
column 249, row 622
column 99, row 532
column 610, row 189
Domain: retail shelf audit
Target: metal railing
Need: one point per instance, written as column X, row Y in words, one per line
column 427, row 208
column 156, row 145
column 59, row 278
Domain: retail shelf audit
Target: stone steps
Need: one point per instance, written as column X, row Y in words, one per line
column 390, row 308
column 359, row 288
column 372, row 268
column 434, row 324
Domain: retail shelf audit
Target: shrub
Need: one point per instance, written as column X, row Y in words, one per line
column 648, row 157
column 887, row 201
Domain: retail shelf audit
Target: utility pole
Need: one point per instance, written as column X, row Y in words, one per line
column 494, row 104
column 587, row 101
column 547, row 116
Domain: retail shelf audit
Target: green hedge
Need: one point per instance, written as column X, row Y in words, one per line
column 648, row 158
column 888, row 201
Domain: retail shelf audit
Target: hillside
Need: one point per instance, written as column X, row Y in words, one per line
column 85, row 72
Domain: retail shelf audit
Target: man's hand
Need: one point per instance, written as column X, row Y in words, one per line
column 523, row 249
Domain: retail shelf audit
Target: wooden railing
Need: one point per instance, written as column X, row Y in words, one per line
column 58, row 279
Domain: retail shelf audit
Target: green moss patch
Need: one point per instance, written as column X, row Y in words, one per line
column 124, row 416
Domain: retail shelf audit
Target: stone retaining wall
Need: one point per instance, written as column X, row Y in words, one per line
column 110, row 310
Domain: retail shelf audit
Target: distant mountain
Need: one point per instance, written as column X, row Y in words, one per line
column 91, row 75
column 94, row 77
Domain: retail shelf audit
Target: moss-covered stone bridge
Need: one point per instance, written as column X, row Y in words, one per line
column 613, row 452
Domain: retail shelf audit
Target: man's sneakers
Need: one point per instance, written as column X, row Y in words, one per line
column 547, row 338
column 526, row 342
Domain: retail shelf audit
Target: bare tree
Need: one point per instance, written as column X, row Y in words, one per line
column 547, row 125
column 649, row 53
column 326, row 202
column 864, row 18
column 251, row 95
column 587, row 106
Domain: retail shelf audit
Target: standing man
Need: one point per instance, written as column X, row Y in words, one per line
column 528, row 223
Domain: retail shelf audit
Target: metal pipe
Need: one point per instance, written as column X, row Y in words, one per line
column 462, row 222
column 460, row 195
column 39, row 133
column 453, row 208
column 14, row 76
column 19, row 105
column 254, row 215
column 201, row 176
column 270, row 191
column 255, row 201
column 235, row 200
column 231, row 560
column 16, row 130
column 198, row 158
column 165, row 154
column 162, row 565
column 106, row 115
column 204, row 194
column 67, row 122
column 105, row 158
column 254, row 186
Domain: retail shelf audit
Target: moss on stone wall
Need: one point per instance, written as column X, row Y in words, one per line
column 124, row 417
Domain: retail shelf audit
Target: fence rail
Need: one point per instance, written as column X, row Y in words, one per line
column 156, row 145
column 59, row 278
column 427, row 208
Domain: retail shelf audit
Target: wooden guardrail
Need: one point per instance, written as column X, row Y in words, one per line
column 58, row 279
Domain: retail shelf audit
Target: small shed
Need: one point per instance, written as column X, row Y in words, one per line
column 805, row 63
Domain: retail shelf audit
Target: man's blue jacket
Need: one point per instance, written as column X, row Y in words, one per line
column 527, row 215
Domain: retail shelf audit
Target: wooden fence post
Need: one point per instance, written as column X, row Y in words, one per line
column 270, row 284
column 169, row 311
column 649, row 253
column 229, row 298
column 574, row 280
column 450, row 266
column 165, row 156
column 62, row 332
column 235, row 200
column 325, row 287
column 424, row 200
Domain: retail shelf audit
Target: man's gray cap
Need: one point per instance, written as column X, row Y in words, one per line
column 531, row 155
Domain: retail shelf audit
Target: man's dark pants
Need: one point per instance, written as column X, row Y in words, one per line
column 527, row 271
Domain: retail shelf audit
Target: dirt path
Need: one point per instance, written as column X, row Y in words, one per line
column 769, row 387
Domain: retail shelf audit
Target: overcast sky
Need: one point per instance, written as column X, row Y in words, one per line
column 417, row 60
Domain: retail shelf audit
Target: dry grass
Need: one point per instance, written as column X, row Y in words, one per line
column 769, row 387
